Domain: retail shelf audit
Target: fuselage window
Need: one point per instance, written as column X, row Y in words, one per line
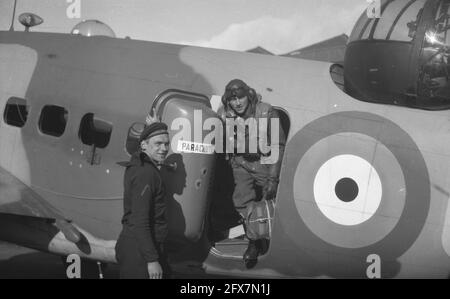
column 53, row 120
column 95, row 131
column 405, row 28
column 16, row 112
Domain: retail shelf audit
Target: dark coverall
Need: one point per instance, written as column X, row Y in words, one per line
column 144, row 221
column 250, row 175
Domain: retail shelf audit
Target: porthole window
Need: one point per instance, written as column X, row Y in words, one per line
column 95, row 131
column 53, row 120
column 16, row 112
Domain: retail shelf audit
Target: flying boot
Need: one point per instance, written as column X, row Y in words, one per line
column 251, row 254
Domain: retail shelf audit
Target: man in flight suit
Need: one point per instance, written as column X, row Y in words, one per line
column 139, row 249
column 251, row 176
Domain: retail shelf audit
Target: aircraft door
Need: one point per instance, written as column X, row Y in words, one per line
column 188, row 179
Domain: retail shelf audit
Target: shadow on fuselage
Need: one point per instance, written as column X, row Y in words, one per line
column 175, row 182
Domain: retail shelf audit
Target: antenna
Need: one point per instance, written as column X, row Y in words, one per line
column 13, row 16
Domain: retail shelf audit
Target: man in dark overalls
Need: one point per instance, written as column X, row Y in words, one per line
column 139, row 249
column 254, row 179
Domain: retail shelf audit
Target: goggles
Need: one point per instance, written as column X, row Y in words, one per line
column 237, row 93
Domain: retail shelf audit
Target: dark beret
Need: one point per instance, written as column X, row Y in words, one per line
column 154, row 129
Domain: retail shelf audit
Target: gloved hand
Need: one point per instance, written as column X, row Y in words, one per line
column 270, row 189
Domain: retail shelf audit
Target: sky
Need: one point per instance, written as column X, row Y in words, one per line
column 279, row 26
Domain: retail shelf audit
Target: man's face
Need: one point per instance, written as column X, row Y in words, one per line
column 239, row 105
column 156, row 147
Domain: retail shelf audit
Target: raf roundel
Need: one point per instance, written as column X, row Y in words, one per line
column 358, row 182
column 349, row 184
column 347, row 190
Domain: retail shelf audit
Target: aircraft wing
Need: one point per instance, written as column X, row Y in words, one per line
column 28, row 220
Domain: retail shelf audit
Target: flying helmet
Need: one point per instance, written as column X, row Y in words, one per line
column 235, row 88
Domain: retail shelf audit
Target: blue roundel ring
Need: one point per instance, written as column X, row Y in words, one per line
column 409, row 173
